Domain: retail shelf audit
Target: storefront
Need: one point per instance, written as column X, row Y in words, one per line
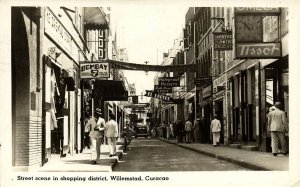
column 244, row 94
column 205, row 103
column 105, row 92
column 219, row 103
column 274, row 88
column 61, row 114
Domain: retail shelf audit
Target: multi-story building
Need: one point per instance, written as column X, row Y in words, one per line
column 164, row 112
column 237, row 88
column 49, row 98
column 27, row 94
column 256, row 80
column 53, row 45
column 190, row 58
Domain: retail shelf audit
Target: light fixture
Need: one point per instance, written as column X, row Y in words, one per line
column 57, row 54
column 146, row 62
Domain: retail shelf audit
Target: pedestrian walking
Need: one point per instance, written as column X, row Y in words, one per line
column 180, row 131
column 112, row 134
column 175, row 131
column 96, row 135
column 172, row 131
column 164, row 130
column 100, row 122
column 196, row 130
column 188, row 130
column 277, row 125
column 168, row 131
column 87, row 130
column 215, row 128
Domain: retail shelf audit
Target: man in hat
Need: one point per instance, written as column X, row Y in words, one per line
column 215, row 128
column 188, row 127
column 101, row 121
column 96, row 135
column 277, row 125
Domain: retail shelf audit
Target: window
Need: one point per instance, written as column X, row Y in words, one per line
column 101, row 43
column 80, row 24
column 100, row 54
column 100, row 33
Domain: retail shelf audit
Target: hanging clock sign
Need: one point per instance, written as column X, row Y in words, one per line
column 248, row 28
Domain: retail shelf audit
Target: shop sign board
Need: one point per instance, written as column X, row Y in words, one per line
column 174, row 101
column 202, row 81
column 56, row 30
column 169, row 81
column 206, row 92
column 162, row 89
column 223, row 41
column 94, row 70
column 150, row 93
column 257, row 10
column 219, row 95
column 258, row 50
column 218, row 83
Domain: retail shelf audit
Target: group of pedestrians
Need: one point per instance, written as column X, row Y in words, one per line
column 164, row 130
column 182, row 131
column 97, row 129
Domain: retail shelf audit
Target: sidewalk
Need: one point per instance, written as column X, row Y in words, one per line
column 81, row 162
column 254, row 160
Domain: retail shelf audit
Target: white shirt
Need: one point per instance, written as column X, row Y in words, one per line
column 215, row 125
column 111, row 129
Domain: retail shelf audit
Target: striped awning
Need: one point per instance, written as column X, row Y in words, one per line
column 95, row 19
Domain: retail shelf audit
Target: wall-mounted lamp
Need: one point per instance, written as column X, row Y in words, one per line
column 57, row 54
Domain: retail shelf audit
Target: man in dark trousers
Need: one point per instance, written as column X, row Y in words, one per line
column 180, row 131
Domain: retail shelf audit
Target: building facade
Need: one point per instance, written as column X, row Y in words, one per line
column 234, row 82
column 50, row 101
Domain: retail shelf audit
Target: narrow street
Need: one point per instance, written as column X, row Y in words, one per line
column 199, row 87
column 156, row 155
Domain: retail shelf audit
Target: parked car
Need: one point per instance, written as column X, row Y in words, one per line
column 141, row 130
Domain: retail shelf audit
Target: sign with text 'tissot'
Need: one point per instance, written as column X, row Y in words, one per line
column 94, row 70
column 258, row 50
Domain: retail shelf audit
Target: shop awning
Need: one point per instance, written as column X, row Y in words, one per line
column 112, row 90
column 70, row 83
column 94, row 19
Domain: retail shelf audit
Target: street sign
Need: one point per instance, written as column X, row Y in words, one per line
column 94, row 70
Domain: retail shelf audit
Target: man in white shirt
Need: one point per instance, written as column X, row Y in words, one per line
column 111, row 133
column 215, row 128
column 96, row 134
